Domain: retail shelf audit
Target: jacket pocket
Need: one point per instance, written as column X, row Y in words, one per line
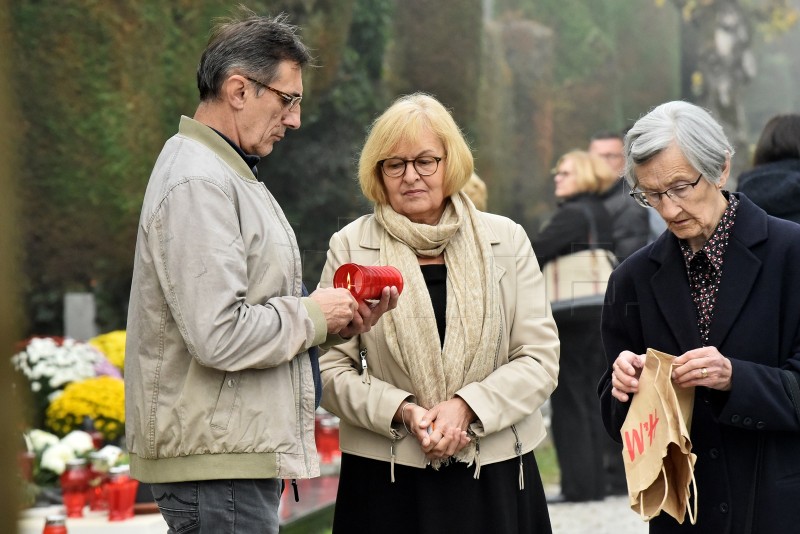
column 226, row 400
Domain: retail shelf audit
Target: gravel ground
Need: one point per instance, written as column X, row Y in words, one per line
column 610, row 516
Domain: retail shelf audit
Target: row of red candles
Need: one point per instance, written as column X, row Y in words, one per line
column 98, row 487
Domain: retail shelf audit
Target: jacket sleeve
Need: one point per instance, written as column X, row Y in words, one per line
column 366, row 402
column 519, row 387
column 201, row 263
column 621, row 330
column 567, row 227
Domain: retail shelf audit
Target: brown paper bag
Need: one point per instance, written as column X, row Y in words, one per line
column 657, row 450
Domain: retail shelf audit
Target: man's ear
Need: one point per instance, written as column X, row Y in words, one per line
column 234, row 91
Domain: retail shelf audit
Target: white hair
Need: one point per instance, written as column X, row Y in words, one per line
column 691, row 128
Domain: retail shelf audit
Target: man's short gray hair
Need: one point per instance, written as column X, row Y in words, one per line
column 691, row 128
column 250, row 45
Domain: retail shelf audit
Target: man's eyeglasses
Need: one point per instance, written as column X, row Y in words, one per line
column 289, row 101
column 396, row 167
column 651, row 199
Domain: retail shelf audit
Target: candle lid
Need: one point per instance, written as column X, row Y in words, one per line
column 55, row 520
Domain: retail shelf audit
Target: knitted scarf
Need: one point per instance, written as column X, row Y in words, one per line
column 473, row 318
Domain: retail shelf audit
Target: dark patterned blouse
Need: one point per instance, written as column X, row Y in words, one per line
column 705, row 267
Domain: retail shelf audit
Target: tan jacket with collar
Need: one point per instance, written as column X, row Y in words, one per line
column 218, row 383
column 507, row 402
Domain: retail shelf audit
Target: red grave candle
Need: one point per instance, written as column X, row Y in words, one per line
column 367, row 282
column 74, row 485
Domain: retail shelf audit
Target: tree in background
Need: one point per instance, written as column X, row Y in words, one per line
column 100, row 86
column 718, row 58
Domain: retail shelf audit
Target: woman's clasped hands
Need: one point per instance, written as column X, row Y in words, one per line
column 441, row 431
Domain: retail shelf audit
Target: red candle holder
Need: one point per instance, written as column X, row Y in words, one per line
column 326, row 436
column 55, row 524
column 367, row 282
column 121, row 494
column 74, row 485
column 98, row 477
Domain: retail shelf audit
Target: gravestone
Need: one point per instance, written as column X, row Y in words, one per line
column 79, row 316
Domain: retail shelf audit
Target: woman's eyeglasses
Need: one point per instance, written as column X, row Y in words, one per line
column 396, row 167
column 651, row 199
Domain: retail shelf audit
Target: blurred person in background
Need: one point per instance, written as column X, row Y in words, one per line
column 774, row 181
column 440, row 403
column 719, row 291
column 219, row 368
column 629, row 226
column 578, row 433
column 475, row 189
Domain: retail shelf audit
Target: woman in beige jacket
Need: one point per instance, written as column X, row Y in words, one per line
column 440, row 403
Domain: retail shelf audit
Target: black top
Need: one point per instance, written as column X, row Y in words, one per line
column 436, row 279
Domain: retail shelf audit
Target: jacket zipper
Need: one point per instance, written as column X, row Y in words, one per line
column 518, row 450
column 364, row 372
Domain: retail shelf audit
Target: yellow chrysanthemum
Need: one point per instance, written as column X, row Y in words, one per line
column 112, row 344
column 102, row 399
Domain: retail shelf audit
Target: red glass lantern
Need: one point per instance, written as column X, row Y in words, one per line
column 367, row 282
column 121, row 493
column 55, row 524
column 74, row 485
column 98, row 476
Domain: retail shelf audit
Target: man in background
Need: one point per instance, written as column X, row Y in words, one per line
column 219, row 383
column 630, row 227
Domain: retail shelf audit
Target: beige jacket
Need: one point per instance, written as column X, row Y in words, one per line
column 218, row 382
column 365, row 393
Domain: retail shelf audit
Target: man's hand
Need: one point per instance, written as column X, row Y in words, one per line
column 338, row 306
column 368, row 313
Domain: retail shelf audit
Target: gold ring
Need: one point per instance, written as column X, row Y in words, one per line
column 704, row 372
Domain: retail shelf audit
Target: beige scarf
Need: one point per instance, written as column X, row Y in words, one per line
column 473, row 317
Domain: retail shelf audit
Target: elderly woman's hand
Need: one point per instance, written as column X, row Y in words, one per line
column 625, row 375
column 703, row 367
column 367, row 314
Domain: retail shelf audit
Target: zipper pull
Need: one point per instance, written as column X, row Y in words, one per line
column 296, row 491
column 364, row 372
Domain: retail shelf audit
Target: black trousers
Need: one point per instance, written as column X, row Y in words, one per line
column 578, row 433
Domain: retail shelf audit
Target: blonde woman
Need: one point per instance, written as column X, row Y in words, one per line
column 440, row 404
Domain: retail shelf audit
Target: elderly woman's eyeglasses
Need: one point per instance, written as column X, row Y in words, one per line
column 289, row 101
column 651, row 199
column 396, row 167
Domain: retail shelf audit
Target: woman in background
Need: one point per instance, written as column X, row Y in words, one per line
column 773, row 183
column 578, row 433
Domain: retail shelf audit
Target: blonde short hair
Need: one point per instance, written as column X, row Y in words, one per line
column 404, row 121
column 475, row 189
column 592, row 173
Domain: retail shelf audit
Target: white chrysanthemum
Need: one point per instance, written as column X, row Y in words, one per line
column 55, row 457
column 111, row 453
column 40, row 439
column 80, row 441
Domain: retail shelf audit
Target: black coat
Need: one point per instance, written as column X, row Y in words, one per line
column 775, row 187
column 568, row 229
column 756, row 325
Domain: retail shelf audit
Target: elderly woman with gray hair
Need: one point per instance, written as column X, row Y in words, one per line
column 719, row 290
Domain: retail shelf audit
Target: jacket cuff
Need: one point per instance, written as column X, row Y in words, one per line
column 318, row 318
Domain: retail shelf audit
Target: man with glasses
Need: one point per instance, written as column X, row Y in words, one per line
column 221, row 376
column 630, row 227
